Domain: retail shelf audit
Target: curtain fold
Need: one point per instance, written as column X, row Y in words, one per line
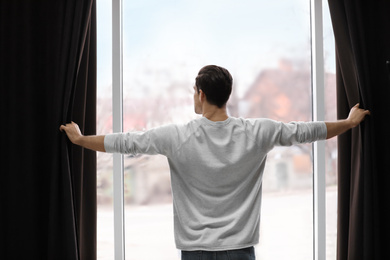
column 48, row 77
column 362, row 38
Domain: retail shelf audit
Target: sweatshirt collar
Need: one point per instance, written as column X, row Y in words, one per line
column 215, row 123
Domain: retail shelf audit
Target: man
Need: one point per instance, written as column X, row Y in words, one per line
column 216, row 164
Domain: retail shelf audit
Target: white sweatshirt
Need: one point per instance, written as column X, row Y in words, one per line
column 216, row 174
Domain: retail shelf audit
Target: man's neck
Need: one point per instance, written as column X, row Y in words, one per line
column 214, row 113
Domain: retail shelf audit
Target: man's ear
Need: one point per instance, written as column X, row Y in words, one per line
column 202, row 96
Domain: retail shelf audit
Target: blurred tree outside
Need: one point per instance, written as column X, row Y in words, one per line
column 279, row 93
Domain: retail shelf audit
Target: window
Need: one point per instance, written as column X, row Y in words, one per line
column 331, row 145
column 164, row 46
column 105, row 213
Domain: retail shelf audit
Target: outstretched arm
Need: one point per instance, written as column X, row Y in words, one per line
column 92, row 142
column 356, row 115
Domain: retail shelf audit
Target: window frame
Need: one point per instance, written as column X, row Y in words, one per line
column 318, row 107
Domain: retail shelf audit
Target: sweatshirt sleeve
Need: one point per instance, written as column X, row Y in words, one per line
column 274, row 133
column 159, row 140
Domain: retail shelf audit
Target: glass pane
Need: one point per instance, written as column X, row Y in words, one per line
column 331, row 145
column 105, row 214
column 266, row 47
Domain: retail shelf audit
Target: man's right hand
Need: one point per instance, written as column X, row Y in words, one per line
column 73, row 132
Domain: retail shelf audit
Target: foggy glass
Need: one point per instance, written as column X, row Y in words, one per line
column 266, row 47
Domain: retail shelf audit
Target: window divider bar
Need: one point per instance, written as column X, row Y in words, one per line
column 318, row 80
column 117, row 111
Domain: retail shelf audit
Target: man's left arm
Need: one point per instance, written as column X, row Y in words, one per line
column 355, row 117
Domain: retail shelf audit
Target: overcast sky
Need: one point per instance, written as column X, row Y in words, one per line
column 181, row 36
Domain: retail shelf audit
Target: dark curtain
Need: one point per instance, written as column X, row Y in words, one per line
column 362, row 36
column 48, row 77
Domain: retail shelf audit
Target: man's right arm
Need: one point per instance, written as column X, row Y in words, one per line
column 92, row 142
column 356, row 116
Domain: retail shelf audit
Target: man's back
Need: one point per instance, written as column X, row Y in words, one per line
column 216, row 174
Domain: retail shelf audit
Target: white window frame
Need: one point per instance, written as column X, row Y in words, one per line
column 318, row 82
column 319, row 244
column 117, row 111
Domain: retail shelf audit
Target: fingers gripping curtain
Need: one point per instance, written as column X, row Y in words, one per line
column 48, row 77
column 361, row 30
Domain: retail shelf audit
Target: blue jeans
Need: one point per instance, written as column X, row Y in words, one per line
column 238, row 254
